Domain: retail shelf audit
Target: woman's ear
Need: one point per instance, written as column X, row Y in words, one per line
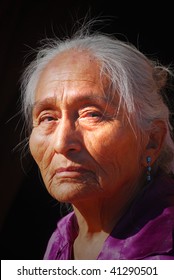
column 155, row 141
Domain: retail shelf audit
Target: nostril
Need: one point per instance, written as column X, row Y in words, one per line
column 65, row 147
column 74, row 148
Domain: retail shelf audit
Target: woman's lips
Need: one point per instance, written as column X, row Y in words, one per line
column 71, row 171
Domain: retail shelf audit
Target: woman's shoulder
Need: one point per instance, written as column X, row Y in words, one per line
column 146, row 230
column 62, row 237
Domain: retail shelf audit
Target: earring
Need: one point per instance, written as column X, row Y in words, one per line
column 148, row 159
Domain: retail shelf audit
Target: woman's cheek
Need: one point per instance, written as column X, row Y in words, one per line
column 37, row 145
column 101, row 142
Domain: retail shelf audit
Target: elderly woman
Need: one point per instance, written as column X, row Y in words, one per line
column 101, row 137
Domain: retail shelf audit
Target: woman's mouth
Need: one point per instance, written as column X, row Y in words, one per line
column 71, row 172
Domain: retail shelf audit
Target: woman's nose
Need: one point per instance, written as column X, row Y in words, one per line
column 67, row 137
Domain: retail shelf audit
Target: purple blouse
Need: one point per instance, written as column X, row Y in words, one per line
column 146, row 231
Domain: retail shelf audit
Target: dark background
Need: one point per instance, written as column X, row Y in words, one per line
column 28, row 214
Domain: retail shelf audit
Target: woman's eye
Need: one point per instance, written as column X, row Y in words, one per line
column 91, row 115
column 96, row 114
column 46, row 119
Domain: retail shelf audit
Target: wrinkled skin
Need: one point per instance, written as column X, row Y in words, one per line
column 83, row 150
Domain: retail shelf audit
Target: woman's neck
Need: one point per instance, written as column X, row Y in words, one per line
column 96, row 220
column 100, row 215
column 97, row 217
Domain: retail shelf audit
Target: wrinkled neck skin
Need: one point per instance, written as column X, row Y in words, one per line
column 96, row 219
column 100, row 215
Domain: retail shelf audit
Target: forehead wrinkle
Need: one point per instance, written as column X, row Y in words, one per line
column 70, row 76
column 53, row 100
column 88, row 97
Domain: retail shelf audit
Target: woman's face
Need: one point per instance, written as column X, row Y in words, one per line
column 83, row 149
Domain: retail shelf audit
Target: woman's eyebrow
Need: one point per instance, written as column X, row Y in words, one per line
column 97, row 99
column 47, row 103
column 90, row 98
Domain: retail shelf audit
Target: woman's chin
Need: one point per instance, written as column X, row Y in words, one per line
column 71, row 192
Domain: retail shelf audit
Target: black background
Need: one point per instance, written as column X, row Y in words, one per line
column 28, row 214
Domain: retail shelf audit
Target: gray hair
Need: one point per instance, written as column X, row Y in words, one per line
column 140, row 82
